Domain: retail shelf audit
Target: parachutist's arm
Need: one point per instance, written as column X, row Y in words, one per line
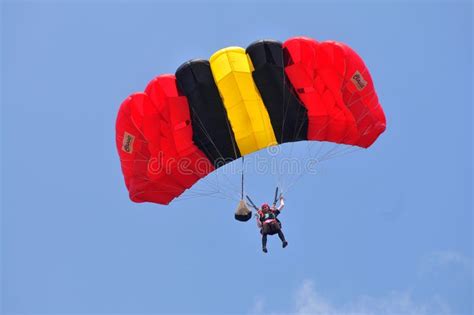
column 282, row 204
column 258, row 218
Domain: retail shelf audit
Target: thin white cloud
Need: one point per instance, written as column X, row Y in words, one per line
column 258, row 306
column 308, row 301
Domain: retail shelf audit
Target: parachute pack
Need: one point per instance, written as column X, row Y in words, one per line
column 209, row 113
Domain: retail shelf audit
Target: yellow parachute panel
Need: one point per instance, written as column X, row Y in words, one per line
column 249, row 119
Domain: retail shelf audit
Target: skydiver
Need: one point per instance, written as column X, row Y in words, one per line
column 269, row 224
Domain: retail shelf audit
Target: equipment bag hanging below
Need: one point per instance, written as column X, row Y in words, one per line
column 243, row 213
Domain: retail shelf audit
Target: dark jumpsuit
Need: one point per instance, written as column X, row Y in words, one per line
column 271, row 228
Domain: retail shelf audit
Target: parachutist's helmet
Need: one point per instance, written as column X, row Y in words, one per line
column 265, row 206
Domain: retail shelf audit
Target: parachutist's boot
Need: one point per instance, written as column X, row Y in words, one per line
column 284, row 244
column 265, row 250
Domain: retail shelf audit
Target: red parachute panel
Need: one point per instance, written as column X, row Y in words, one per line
column 361, row 98
column 337, row 90
column 176, row 152
column 155, row 143
column 135, row 155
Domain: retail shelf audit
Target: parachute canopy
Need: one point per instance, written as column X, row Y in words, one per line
column 184, row 126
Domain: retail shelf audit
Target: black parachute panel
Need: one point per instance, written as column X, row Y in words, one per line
column 288, row 116
column 211, row 129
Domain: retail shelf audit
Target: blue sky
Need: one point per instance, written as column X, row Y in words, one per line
column 382, row 231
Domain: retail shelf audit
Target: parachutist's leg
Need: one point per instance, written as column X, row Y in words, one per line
column 264, row 242
column 264, row 232
column 282, row 237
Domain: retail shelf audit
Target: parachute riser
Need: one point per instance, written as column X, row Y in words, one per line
column 251, row 203
column 275, row 199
